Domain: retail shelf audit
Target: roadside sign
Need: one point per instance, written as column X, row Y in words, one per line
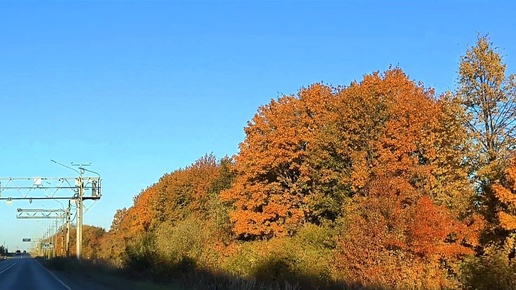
column 47, row 246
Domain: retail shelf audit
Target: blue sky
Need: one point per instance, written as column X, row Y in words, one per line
column 141, row 88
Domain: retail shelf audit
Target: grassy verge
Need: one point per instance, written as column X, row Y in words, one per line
column 109, row 278
column 116, row 279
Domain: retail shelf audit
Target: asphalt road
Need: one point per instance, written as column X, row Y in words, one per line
column 25, row 273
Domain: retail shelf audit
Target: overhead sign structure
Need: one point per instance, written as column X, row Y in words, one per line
column 42, row 213
column 26, row 239
column 41, row 188
column 36, row 188
column 63, row 214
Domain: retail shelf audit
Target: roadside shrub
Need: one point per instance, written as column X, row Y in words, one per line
column 185, row 244
column 305, row 258
column 141, row 256
column 313, row 248
column 243, row 260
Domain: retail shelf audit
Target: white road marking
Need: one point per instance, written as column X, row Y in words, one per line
column 62, row 283
column 9, row 267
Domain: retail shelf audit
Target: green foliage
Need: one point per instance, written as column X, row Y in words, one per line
column 243, row 260
column 492, row 270
column 305, row 258
column 141, row 255
column 185, row 247
column 313, row 247
column 218, row 211
column 225, row 179
column 185, row 239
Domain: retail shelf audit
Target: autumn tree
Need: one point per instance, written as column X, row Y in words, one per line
column 112, row 248
column 270, row 191
column 402, row 205
column 117, row 219
column 453, row 187
column 495, row 267
column 380, row 171
column 341, row 153
column 305, row 155
column 92, row 239
column 488, row 95
column 186, row 191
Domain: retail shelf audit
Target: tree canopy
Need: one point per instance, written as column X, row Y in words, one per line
column 379, row 183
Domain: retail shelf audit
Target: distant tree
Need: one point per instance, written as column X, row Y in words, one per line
column 92, row 237
column 117, row 219
column 113, row 249
column 184, row 192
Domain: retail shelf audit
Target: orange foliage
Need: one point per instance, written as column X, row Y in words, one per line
column 175, row 196
column 269, row 193
column 91, row 237
column 185, row 191
column 304, row 156
column 409, row 231
column 505, row 192
column 379, row 166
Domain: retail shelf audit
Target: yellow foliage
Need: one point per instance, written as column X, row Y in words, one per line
column 505, row 191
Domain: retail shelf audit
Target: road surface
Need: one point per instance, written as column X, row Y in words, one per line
column 25, row 273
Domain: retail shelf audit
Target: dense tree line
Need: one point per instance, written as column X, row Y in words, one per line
column 377, row 183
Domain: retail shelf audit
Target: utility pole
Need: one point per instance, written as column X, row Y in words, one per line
column 95, row 189
column 49, row 235
column 79, row 218
column 55, row 239
column 68, row 221
column 48, row 243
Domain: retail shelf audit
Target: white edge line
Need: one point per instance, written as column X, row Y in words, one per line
column 10, row 267
column 66, row 286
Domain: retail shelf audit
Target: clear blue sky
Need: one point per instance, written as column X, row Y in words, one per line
column 141, row 88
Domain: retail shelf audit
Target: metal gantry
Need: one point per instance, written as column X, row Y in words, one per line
column 36, row 188
column 63, row 214
column 32, row 213
column 77, row 189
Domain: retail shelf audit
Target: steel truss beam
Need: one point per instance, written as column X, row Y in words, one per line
column 42, row 213
column 34, row 188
